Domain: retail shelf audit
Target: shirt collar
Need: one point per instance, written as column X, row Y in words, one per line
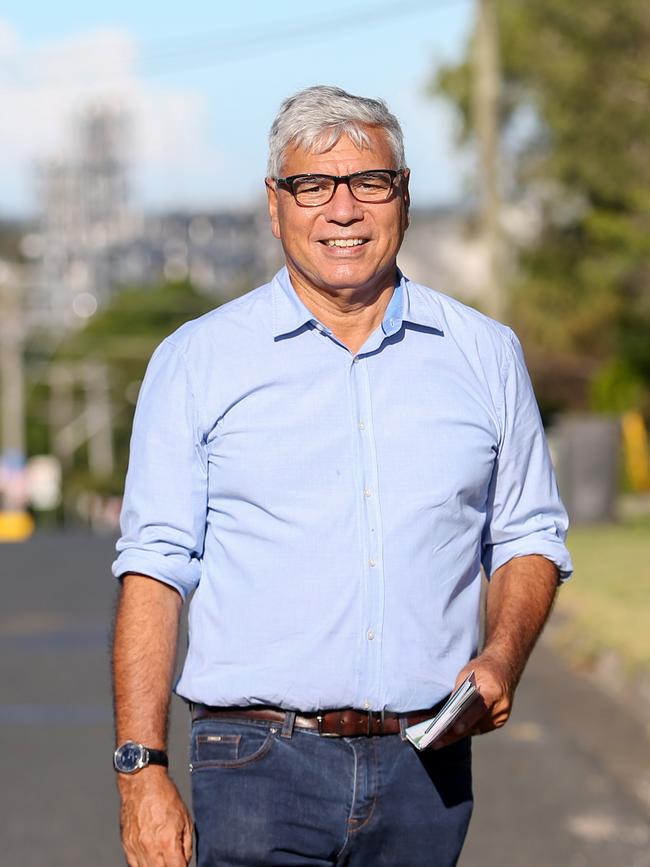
column 289, row 313
column 406, row 305
column 409, row 305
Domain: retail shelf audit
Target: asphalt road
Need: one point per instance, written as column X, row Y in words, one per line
column 565, row 784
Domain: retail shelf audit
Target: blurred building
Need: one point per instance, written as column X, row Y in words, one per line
column 220, row 252
column 444, row 248
column 90, row 239
column 84, row 212
column 439, row 251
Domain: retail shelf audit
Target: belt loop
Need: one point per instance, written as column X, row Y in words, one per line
column 289, row 720
column 403, row 725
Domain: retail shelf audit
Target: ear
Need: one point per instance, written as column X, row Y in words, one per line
column 272, row 197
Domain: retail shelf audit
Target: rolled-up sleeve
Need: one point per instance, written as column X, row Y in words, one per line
column 524, row 512
column 165, row 499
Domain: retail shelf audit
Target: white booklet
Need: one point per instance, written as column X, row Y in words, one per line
column 425, row 733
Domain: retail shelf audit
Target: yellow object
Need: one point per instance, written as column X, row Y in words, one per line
column 636, row 450
column 15, row 526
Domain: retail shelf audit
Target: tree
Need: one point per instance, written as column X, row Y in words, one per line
column 122, row 337
column 575, row 128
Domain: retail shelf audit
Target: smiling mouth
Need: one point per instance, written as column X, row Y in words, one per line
column 344, row 242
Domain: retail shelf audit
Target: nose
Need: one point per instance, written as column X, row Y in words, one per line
column 343, row 207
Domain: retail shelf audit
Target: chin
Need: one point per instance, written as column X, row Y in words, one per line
column 343, row 276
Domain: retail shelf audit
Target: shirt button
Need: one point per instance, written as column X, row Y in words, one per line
column 370, row 634
column 355, row 360
column 367, row 492
column 362, row 426
column 372, row 562
column 366, row 705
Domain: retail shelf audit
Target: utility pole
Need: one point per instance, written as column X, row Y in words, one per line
column 98, row 420
column 61, row 411
column 12, row 373
column 486, row 99
column 14, row 523
column 71, row 425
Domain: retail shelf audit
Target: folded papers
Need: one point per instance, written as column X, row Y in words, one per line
column 425, row 733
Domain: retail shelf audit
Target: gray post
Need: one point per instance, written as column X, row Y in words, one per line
column 586, row 453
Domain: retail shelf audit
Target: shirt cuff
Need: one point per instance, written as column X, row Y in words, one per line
column 174, row 570
column 551, row 547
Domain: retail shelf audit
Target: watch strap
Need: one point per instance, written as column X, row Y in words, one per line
column 157, row 757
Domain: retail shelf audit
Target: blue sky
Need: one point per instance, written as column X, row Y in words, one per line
column 203, row 81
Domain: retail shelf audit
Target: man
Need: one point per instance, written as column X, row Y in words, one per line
column 327, row 462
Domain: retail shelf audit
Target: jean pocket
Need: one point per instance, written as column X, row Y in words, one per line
column 223, row 745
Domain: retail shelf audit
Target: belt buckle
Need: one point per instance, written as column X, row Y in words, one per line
column 319, row 717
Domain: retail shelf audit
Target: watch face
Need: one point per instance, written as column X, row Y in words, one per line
column 129, row 757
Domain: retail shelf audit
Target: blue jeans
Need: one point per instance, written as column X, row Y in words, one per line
column 263, row 796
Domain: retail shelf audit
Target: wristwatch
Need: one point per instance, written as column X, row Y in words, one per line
column 131, row 757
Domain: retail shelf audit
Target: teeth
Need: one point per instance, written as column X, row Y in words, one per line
column 344, row 242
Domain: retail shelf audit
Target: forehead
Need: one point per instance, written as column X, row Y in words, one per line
column 342, row 159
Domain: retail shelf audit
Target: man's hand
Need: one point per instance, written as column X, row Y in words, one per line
column 156, row 827
column 491, row 710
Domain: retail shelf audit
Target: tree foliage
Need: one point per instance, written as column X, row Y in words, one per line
column 575, row 122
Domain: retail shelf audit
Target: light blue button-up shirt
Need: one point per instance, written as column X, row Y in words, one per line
column 332, row 511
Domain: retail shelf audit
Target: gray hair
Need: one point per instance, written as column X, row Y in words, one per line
column 317, row 117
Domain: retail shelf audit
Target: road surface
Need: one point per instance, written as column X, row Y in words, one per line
column 565, row 784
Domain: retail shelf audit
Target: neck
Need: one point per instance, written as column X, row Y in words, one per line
column 351, row 314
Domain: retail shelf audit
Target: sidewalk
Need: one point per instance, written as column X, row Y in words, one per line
column 566, row 783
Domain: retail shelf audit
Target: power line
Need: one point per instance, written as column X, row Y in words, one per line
column 214, row 48
column 194, row 51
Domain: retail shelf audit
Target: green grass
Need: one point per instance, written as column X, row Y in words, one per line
column 606, row 605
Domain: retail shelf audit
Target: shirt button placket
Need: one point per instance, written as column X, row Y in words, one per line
column 371, row 529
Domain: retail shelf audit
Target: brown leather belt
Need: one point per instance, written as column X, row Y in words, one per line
column 332, row 723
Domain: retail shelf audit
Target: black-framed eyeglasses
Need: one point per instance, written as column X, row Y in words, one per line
column 310, row 191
